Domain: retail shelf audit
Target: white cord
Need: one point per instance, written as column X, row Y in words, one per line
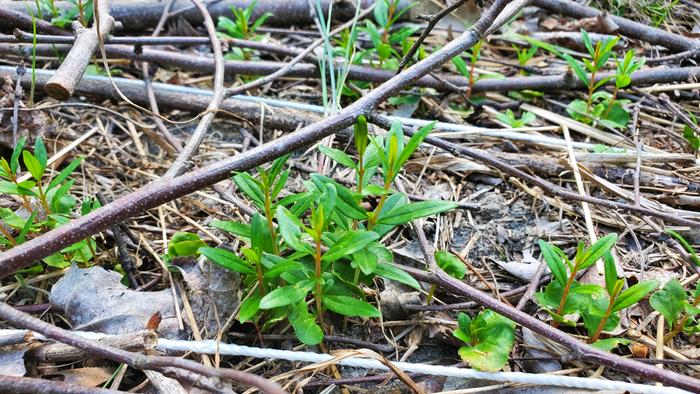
column 212, row 347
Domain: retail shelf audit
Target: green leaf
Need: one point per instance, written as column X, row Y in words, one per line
column 365, row 260
column 338, row 155
column 451, row 264
column 227, row 260
column 416, row 210
column 686, row 245
column 304, row 324
column 249, row 307
column 554, row 261
column 33, row 165
column 350, row 243
column 594, row 314
column 184, row 244
column 11, row 188
column 250, row 187
column 634, row 294
column 261, row 240
column 609, row 344
column 14, row 160
column 65, row 172
column 350, row 306
column 413, row 144
column 361, row 135
column 381, row 12
column 40, row 152
column 346, row 201
column 238, row 229
column 392, row 272
column 290, row 230
column 670, row 301
column 282, row 296
column 278, row 265
column 25, row 230
column 596, row 251
column 492, row 337
column 610, row 272
column 461, row 65
column 576, row 67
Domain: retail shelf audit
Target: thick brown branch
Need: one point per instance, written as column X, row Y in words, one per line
column 14, row 384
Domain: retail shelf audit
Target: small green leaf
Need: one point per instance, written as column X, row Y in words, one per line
column 492, row 336
column 282, row 296
column 365, row 260
column 413, row 144
column 250, row 187
column 65, row 172
column 609, row 344
column 412, row 211
column 304, row 324
column 350, row 306
column 670, row 301
column 554, row 261
column 14, row 160
column 576, row 67
column 634, row 294
column 40, row 152
column 235, row 228
column 227, row 260
column 350, row 243
column 33, row 165
column 392, row 272
column 361, row 135
column 249, row 307
column 290, row 230
column 596, row 251
column 451, row 264
column 610, row 272
column 338, row 155
column 184, row 244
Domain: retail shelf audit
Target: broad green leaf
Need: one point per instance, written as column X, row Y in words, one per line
column 392, row 272
column 381, row 12
column 338, row 155
column 184, row 244
column 33, row 165
column 451, row 264
column 249, row 307
column 277, row 265
column 261, row 240
column 576, row 67
column 282, row 296
column 250, row 187
column 227, row 260
column 670, row 301
column 11, row 188
column 304, row 324
column 40, row 152
column 492, row 336
column 596, row 251
column 346, row 201
column 365, row 260
column 554, row 261
column 634, row 294
column 350, row 306
column 594, row 314
column 350, row 243
column 290, row 230
column 416, row 210
column 609, row 344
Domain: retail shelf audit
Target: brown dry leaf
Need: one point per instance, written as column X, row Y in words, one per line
column 551, row 23
column 88, row 377
column 600, row 24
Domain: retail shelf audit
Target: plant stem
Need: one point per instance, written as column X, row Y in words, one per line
column 319, row 289
column 82, row 16
column 565, row 294
column 373, row 219
column 7, row 235
column 270, row 225
column 261, row 283
column 603, row 320
column 471, row 79
column 611, row 102
column 385, row 34
column 678, row 327
column 429, row 299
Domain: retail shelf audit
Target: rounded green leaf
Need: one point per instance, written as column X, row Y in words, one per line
column 281, row 297
column 451, row 264
column 350, row 306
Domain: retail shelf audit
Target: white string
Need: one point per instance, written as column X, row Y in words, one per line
column 214, row 347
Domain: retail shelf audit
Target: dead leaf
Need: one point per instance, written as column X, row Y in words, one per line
column 88, row 377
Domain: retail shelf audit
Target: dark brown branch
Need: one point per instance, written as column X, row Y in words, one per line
column 627, row 27
column 161, row 191
column 579, row 350
column 360, row 73
column 14, row 384
column 23, row 21
column 134, row 360
column 63, row 83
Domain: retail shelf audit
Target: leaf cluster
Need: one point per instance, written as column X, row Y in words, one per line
column 310, row 252
column 489, row 338
column 680, row 314
column 243, row 27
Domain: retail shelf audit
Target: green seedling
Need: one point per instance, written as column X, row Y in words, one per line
column 46, row 202
column 525, row 54
column 489, row 338
column 566, row 300
column 451, row 264
column 680, row 314
column 690, row 135
column 184, row 244
column 243, row 27
column 386, row 13
column 308, row 253
column 80, row 10
column 623, row 77
column 474, row 55
column 686, row 245
column 510, row 119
